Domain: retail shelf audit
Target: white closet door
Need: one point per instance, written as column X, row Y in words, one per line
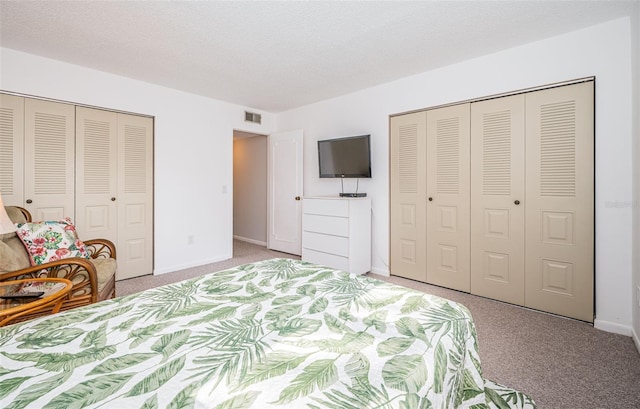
column 12, row 149
column 448, row 194
column 560, row 201
column 135, row 196
column 408, row 234
column 497, row 198
column 49, row 159
column 96, row 176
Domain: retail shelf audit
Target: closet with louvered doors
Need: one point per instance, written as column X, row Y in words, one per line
column 95, row 166
column 531, row 201
column 114, row 186
column 429, row 201
column 532, row 196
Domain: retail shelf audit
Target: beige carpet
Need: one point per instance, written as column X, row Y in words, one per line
column 561, row 363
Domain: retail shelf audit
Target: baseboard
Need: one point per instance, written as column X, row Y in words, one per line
column 613, row 327
column 202, row 262
column 252, row 241
column 380, row 271
column 636, row 339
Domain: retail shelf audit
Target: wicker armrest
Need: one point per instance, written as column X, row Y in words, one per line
column 79, row 271
column 100, row 248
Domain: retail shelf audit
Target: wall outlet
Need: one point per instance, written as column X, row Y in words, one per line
column 190, row 239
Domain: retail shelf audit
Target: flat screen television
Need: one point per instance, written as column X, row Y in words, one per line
column 345, row 157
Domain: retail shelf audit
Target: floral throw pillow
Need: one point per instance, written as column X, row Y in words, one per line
column 50, row 241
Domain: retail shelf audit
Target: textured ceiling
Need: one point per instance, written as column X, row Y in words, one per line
column 276, row 56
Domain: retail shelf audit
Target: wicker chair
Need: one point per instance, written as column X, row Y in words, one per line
column 93, row 279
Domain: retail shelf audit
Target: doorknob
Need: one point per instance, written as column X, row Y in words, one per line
column 297, row 197
column 517, row 202
column 113, row 199
column 29, row 201
column 431, row 199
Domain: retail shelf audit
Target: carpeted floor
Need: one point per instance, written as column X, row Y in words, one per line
column 561, row 363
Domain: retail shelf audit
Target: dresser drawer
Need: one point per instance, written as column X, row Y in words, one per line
column 324, row 259
column 326, row 243
column 337, row 226
column 327, row 207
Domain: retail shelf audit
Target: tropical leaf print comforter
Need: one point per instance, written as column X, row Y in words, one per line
column 274, row 334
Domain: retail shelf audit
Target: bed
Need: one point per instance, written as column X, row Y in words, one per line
column 279, row 333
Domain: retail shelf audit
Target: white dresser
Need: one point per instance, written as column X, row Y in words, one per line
column 336, row 232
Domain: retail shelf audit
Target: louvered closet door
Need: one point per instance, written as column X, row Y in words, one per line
column 560, row 195
column 497, row 199
column 11, row 149
column 49, row 159
column 448, row 197
column 408, row 241
column 96, row 176
column 135, row 196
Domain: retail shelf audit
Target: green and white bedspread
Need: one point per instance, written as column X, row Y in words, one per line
column 274, row 334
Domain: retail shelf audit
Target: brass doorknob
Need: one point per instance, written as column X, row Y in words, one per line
column 297, row 197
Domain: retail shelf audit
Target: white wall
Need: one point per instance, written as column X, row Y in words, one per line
column 193, row 150
column 602, row 51
column 635, row 288
column 250, row 189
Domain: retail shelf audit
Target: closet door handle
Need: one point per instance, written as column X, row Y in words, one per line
column 297, row 197
column 430, row 199
column 113, row 199
column 517, row 202
column 29, row 201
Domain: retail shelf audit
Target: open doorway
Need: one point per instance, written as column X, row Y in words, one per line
column 249, row 192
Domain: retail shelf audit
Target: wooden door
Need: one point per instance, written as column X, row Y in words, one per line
column 560, row 201
column 12, row 149
column 96, row 174
column 408, row 196
column 49, row 161
column 134, row 199
column 285, row 191
column 448, row 198
column 497, row 199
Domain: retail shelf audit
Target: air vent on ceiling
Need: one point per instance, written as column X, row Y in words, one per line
column 252, row 117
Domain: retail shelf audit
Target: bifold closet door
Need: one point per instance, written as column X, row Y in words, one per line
column 408, row 231
column 96, row 176
column 12, row 149
column 135, row 196
column 448, row 178
column 49, row 163
column 115, row 185
column 498, row 198
column 560, row 201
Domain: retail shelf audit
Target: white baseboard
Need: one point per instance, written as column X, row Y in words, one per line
column 171, row 269
column 613, row 327
column 380, row 271
column 636, row 339
column 252, row 241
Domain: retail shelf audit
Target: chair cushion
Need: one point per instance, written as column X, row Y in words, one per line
column 105, row 269
column 13, row 255
column 51, row 240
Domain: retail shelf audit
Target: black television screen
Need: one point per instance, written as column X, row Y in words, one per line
column 345, row 157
